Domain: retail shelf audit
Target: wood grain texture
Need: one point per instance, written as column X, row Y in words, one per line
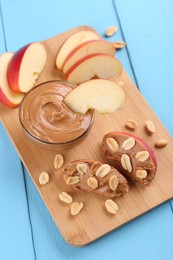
column 84, row 229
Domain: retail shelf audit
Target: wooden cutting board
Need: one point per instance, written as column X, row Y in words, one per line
column 93, row 221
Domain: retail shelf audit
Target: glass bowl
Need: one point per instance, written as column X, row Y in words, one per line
column 48, row 121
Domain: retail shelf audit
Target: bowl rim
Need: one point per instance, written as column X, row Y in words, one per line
column 46, row 142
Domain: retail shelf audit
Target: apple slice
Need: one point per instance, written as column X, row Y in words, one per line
column 7, row 97
column 144, row 144
column 87, row 48
column 99, row 65
column 72, row 42
column 26, row 66
column 101, row 94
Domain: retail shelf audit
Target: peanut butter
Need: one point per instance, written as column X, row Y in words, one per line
column 45, row 117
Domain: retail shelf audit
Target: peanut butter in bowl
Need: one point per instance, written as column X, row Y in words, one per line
column 48, row 121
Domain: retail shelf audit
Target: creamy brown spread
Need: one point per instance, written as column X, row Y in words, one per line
column 149, row 165
column 103, row 183
column 44, row 115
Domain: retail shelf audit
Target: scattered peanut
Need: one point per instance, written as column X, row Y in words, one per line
column 43, row 178
column 150, row 127
column 58, row 161
column 111, row 30
column 119, row 45
column 111, row 206
column 131, row 124
column 161, row 143
column 76, row 208
column 65, row 197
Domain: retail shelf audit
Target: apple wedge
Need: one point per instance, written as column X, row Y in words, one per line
column 94, row 65
column 72, row 42
column 7, row 97
column 104, row 95
column 87, row 48
column 143, row 143
column 26, row 66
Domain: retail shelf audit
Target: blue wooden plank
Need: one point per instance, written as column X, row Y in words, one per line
column 144, row 238
column 150, row 44
column 51, row 19
column 151, row 233
column 15, row 229
column 2, row 42
column 147, row 26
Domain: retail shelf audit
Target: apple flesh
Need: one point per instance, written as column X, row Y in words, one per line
column 7, row 96
column 101, row 94
column 85, row 49
column 26, row 66
column 72, row 42
column 94, row 65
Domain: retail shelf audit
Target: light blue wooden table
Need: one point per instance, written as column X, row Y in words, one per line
column 27, row 231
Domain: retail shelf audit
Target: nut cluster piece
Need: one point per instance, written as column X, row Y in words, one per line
column 99, row 178
column 132, row 156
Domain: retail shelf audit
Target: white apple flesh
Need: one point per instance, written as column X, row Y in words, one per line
column 85, row 49
column 94, row 65
column 72, row 42
column 26, row 66
column 104, row 95
column 7, row 96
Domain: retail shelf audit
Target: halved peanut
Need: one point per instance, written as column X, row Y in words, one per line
column 141, row 174
column 119, row 45
column 103, row 170
column 128, row 144
column 131, row 124
column 111, row 206
column 112, row 144
column 92, row 182
column 82, row 168
column 142, row 156
column 65, row 197
column 43, row 178
column 58, row 161
column 150, row 127
column 111, row 30
column 73, row 180
column 161, row 143
column 126, row 163
column 113, row 182
column 76, row 208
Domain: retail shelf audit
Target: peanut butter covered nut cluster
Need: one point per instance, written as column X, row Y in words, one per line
column 131, row 156
column 96, row 177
